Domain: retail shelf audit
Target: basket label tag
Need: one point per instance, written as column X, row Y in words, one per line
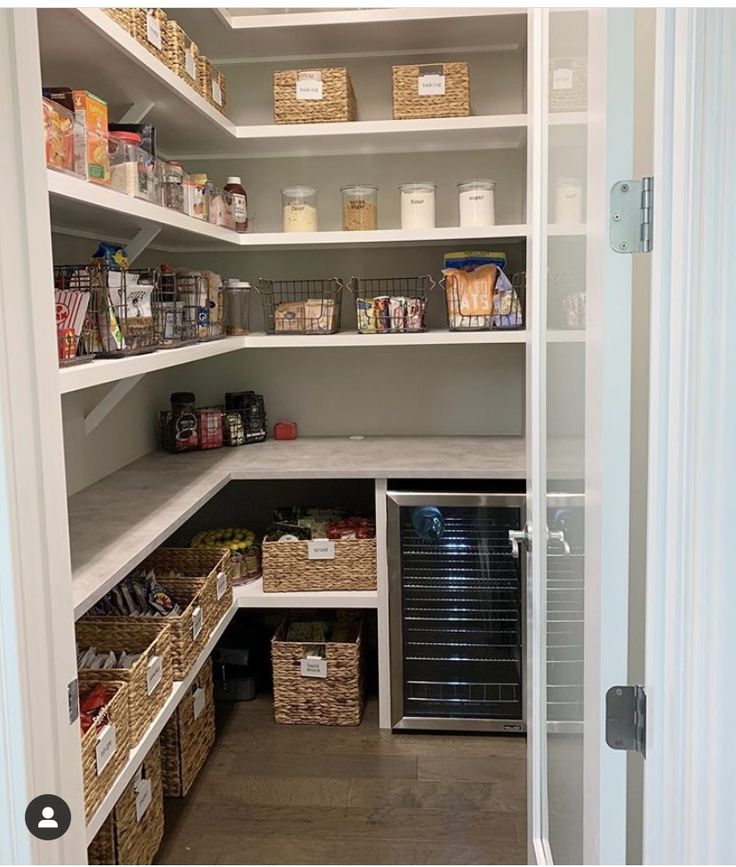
column 309, row 84
column 198, row 705
column 153, row 30
column 196, row 622
column 106, row 745
column 314, row 666
column 190, row 66
column 431, row 84
column 221, row 585
column 154, row 673
column 562, row 79
column 216, row 92
column 321, row 549
column 143, row 798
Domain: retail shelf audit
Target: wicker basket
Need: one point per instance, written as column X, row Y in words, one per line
column 211, row 83
column 182, row 55
column 149, row 679
column 186, row 741
column 122, row 15
column 288, row 568
column 145, row 26
column 337, row 102
column 123, row 837
column 336, row 699
column 412, row 101
column 116, row 715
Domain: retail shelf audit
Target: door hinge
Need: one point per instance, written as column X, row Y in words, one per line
column 73, row 696
column 631, row 217
column 626, row 718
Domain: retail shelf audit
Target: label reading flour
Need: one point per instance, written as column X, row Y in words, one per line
column 189, row 64
column 321, row 549
column 431, row 85
column 154, row 673
column 198, row 703
column 309, row 84
column 562, row 79
column 314, row 666
column 196, row 622
column 105, row 750
column 153, row 30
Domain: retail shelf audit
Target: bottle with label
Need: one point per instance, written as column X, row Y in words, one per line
column 240, row 203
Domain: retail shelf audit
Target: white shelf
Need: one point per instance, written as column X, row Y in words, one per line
column 139, row 752
column 352, row 338
column 252, row 596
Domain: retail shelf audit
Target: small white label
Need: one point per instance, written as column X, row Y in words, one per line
column 431, row 85
column 106, row 745
column 196, row 622
column 190, row 66
column 562, row 79
column 216, row 92
column 221, row 585
column 154, row 673
column 309, row 85
column 143, row 798
column 198, row 704
column 321, row 549
column 153, row 30
column 314, row 666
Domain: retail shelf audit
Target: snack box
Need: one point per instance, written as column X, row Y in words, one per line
column 58, row 129
column 91, row 153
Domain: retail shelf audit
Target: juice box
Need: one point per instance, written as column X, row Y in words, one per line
column 91, row 156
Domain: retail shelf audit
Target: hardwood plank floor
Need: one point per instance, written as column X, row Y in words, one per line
column 276, row 794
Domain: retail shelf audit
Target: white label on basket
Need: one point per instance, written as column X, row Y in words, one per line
column 431, row 85
column 309, row 84
column 196, row 622
column 106, row 744
column 153, row 30
column 154, row 673
column 143, row 798
column 314, row 666
column 190, row 67
column 216, row 92
column 198, row 704
column 562, row 79
column 221, row 585
column 321, row 549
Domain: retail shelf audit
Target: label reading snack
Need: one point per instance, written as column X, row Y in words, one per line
column 221, row 585
column 562, row 79
column 216, row 92
column 154, row 673
column 190, row 66
column 431, row 84
column 153, row 30
column 314, row 666
column 321, row 549
column 309, row 84
column 143, row 798
column 198, row 704
column 106, row 744
column 196, row 622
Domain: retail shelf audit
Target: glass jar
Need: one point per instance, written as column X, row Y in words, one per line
column 417, row 205
column 179, row 424
column 300, row 209
column 196, row 197
column 237, row 296
column 359, row 207
column 569, row 200
column 172, row 186
column 477, row 204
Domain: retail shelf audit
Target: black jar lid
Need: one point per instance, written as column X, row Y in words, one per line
column 182, row 397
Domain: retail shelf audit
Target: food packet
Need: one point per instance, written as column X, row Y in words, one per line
column 158, row 598
column 91, row 704
column 112, row 256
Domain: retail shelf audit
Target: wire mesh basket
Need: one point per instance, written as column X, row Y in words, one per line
column 391, row 305
column 76, row 292
column 502, row 306
column 188, row 308
column 301, row 306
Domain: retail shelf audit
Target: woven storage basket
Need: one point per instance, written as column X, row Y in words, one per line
column 135, row 21
column 337, row 102
column 410, row 103
column 186, row 741
column 123, row 838
column 150, row 637
column 287, row 567
column 122, row 15
column 115, row 714
column 210, row 80
column 178, row 48
column 335, row 700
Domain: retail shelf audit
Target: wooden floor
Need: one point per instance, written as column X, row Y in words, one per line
column 276, row 794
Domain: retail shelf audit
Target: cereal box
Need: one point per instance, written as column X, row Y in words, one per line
column 91, row 154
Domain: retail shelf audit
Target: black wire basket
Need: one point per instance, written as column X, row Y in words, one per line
column 504, row 309
column 301, row 306
column 391, row 305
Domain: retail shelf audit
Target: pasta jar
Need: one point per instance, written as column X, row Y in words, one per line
column 359, row 207
column 300, row 209
column 417, row 205
column 477, row 202
column 569, row 200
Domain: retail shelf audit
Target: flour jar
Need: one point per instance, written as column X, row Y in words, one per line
column 477, row 202
column 300, row 209
column 569, row 200
column 417, row 205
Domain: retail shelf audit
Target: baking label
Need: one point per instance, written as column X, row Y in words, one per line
column 309, row 84
column 142, row 798
column 314, row 666
column 154, row 673
column 221, row 585
column 431, row 85
column 217, row 92
column 189, row 65
column 321, row 549
column 106, row 744
column 562, row 79
column 196, row 622
column 198, row 705
column 153, row 30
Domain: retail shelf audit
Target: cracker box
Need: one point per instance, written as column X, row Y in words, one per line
column 91, row 156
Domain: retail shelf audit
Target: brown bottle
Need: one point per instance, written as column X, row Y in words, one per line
column 240, row 203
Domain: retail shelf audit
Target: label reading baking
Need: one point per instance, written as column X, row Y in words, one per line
column 143, row 798
column 562, row 79
column 190, row 66
column 196, row 622
column 221, row 585
column 309, row 84
column 321, row 549
column 154, row 673
column 106, row 744
column 431, row 84
column 153, row 30
column 314, row 666
column 198, row 703
column 216, row 92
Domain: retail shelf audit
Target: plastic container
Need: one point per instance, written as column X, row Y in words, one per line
column 477, row 203
column 172, row 186
column 239, row 203
column 58, row 130
column 300, row 209
column 417, row 205
column 132, row 170
column 196, row 196
column 220, row 208
column 237, row 315
column 569, row 200
column 359, row 207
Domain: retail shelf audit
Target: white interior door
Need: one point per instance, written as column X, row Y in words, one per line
column 579, row 370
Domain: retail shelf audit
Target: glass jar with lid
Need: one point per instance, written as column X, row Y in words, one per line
column 300, row 209
column 172, row 186
column 359, row 207
column 417, row 205
column 237, row 297
column 477, row 204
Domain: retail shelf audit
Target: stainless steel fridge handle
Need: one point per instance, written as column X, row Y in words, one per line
column 524, row 537
column 558, row 536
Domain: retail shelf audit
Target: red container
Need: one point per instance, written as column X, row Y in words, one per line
column 209, row 428
column 284, row 430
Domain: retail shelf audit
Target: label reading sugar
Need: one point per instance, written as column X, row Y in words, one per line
column 196, row 622
column 216, row 92
column 562, row 79
column 221, row 585
column 198, row 704
column 321, row 549
column 153, row 30
column 314, row 666
column 106, row 744
column 154, row 673
column 189, row 64
column 309, row 84
column 143, row 798
column 431, row 84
